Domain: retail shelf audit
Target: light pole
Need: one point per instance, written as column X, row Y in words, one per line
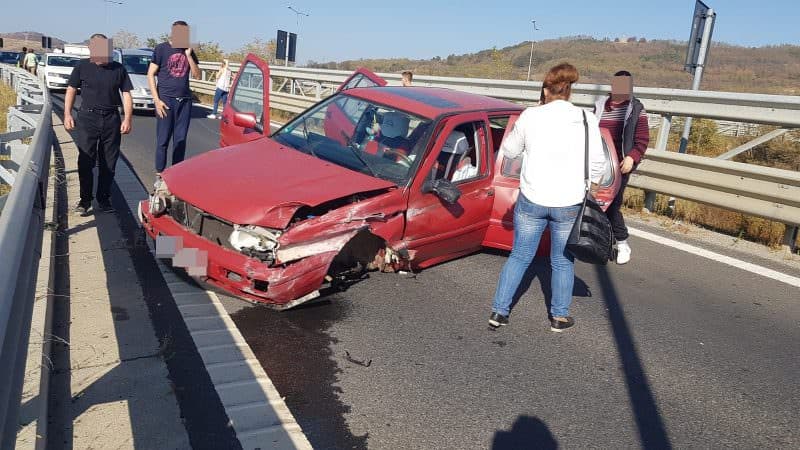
column 108, row 12
column 530, row 61
column 288, row 35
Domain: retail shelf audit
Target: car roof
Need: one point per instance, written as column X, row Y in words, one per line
column 70, row 55
column 431, row 102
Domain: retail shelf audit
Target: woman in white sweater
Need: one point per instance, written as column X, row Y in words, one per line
column 550, row 138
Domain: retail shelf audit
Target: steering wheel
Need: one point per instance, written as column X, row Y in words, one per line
column 399, row 156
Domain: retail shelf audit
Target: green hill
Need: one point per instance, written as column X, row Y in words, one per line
column 657, row 63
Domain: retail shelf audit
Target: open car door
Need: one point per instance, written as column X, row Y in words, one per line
column 362, row 78
column 337, row 124
column 246, row 114
column 500, row 233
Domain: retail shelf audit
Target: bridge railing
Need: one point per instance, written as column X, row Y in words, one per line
column 765, row 192
column 21, row 229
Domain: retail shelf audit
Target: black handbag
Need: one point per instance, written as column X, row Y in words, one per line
column 591, row 239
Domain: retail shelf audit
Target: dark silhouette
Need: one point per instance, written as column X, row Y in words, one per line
column 526, row 433
column 648, row 419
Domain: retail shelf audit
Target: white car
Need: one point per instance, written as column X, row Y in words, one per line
column 136, row 62
column 55, row 69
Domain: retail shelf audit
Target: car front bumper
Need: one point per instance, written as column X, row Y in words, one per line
column 144, row 104
column 248, row 278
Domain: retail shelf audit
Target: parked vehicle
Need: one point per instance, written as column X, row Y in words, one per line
column 371, row 178
column 55, row 69
column 10, row 57
column 77, row 49
column 136, row 62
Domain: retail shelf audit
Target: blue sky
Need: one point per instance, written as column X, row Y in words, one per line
column 417, row 29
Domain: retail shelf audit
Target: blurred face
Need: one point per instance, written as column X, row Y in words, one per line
column 179, row 38
column 100, row 50
column 621, row 88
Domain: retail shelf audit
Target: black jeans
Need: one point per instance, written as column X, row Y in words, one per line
column 98, row 137
column 615, row 215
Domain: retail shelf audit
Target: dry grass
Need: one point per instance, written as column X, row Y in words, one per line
column 7, row 98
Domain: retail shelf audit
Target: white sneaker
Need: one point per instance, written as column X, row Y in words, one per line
column 623, row 252
column 211, row 116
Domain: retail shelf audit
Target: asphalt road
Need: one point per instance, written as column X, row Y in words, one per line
column 671, row 350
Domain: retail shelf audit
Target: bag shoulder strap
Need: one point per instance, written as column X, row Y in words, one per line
column 586, row 152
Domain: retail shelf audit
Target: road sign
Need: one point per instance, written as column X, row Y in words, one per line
column 694, row 56
column 287, row 46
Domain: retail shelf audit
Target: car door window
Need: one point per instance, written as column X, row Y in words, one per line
column 461, row 157
column 248, row 95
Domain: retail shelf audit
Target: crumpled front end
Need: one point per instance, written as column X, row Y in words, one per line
column 287, row 267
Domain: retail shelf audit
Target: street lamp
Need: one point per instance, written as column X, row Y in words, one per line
column 288, row 35
column 530, row 61
column 108, row 11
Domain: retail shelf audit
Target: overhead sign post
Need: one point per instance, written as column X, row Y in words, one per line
column 286, row 47
column 697, row 54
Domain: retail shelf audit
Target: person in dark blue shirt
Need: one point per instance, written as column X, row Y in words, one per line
column 173, row 62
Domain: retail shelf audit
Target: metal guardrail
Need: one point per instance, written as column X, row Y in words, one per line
column 759, row 191
column 21, row 229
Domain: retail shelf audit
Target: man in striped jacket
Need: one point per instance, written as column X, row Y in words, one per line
column 623, row 115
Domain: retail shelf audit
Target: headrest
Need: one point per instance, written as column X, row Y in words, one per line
column 456, row 143
column 394, row 125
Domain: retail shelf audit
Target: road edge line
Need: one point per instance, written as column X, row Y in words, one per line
column 718, row 257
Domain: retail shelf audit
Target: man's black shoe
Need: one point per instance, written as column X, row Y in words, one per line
column 105, row 206
column 82, row 209
column 497, row 320
column 559, row 324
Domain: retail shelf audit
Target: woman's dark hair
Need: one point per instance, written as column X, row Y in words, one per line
column 180, row 22
column 558, row 82
column 623, row 73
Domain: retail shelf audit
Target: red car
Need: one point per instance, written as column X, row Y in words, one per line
column 371, row 178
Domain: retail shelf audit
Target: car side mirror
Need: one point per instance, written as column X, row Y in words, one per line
column 444, row 189
column 247, row 120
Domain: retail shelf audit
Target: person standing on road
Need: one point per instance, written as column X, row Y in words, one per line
column 21, row 60
column 223, row 86
column 30, row 61
column 552, row 140
column 172, row 64
column 99, row 127
column 623, row 115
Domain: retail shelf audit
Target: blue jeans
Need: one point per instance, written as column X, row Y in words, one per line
column 174, row 126
column 530, row 221
column 219, row 94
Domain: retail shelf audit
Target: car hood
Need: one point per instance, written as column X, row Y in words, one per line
column 60, row 69
column 139, row 82
column 263, row 183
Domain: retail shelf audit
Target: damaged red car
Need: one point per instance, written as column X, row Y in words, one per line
column 372, row 178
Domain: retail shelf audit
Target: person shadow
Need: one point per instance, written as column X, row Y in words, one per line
column 526, row 433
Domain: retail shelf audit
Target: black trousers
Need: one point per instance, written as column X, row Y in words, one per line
column 615, row 214
column 98, row 137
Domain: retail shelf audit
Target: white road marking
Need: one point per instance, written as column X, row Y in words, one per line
column 703, row 253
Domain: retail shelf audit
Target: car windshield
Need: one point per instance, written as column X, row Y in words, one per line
column 136, row 64
column 360, row 135
column 62, row 61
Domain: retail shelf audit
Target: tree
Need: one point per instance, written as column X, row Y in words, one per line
column 125, row 39
column 263, row 49
column 151, row 42
column 209, row 51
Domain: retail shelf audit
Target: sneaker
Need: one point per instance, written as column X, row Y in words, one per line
column 105, row 206
column 559, row 324
column 82, row 209
column 211, row 116
column 497, row 320
column 623, row 252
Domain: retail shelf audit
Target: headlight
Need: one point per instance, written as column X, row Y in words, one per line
column 253, row 238
column 160, row 199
